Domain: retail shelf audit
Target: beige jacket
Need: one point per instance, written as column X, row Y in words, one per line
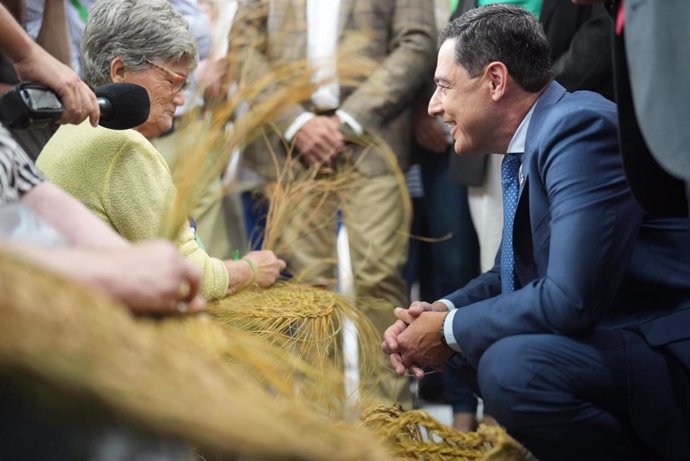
column 399, row 35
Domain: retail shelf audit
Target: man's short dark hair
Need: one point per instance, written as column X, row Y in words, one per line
column 504, row 33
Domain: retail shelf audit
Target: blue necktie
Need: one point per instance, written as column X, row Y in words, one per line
column 511, row 188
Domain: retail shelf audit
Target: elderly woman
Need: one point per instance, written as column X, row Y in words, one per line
column 119, row 175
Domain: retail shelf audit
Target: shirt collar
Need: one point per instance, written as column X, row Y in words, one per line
column 517, row 143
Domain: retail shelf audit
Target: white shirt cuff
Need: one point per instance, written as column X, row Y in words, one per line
column 448, row 303
column 350, row 120
column 297, row 124
column 448, row 331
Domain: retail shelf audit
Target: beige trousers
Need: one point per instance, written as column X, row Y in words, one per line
column 373, row 212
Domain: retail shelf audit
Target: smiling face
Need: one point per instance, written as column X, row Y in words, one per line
column 164, row 82
column 463, row 102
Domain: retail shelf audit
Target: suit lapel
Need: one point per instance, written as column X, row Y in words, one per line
column 532, row 216
column 552, row 94
column 525, row 267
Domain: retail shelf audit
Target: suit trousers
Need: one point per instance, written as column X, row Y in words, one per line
column 584, row 399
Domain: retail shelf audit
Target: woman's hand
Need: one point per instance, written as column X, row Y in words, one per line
column 266, row 265
column 257, row 267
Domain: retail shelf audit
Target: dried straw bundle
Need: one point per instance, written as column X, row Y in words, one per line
column 278, row 369
column 204, row 149
column 206, row 143
column 415, row 435
column 88, row 350
column 292, row 317
column 308, row 322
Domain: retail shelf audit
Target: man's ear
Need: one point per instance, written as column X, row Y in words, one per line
column 496, row 74
column 118, row 70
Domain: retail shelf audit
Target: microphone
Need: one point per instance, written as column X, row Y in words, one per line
column 122, row 106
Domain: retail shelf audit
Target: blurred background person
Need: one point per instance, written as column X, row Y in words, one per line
column 400, row 38
column 650, row 41
column 52, row 36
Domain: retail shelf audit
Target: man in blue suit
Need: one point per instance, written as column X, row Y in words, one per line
column 579, row 338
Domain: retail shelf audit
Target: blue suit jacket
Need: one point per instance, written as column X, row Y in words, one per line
column 588, row 258
column 586, row 255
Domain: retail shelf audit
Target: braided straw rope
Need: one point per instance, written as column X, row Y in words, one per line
column 415, row 435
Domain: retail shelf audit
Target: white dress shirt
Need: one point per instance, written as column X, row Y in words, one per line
column 322, row 48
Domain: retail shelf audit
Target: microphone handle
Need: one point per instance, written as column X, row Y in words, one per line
column 106, row 108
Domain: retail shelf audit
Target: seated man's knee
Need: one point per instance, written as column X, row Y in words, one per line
column 504, row 375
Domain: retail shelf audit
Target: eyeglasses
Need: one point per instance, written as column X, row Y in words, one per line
column 178, row 83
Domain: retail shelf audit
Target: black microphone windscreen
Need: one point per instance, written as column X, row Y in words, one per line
column 123, row 105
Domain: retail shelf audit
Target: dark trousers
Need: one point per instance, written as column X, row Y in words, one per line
column 444, row 266
column 583, row 399
column 448, row 264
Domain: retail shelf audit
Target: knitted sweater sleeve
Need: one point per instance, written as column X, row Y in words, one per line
column 136, row 194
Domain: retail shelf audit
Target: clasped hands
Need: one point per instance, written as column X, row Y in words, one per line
column 320, row 139
column 414, row 340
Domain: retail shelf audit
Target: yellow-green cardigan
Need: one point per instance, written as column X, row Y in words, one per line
column 126, row 182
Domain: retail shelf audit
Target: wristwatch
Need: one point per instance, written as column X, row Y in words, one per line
column 442, row 333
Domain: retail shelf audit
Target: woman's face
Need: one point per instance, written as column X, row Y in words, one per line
column 165, row 82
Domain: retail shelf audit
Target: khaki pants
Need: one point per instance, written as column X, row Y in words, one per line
column 373, row 213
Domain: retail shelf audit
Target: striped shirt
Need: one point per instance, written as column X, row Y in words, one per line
column 18, row 175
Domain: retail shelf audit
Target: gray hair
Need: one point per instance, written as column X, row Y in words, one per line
column 504, row 33
column 134, row 30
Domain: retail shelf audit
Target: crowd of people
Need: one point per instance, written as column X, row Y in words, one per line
column 561, row 298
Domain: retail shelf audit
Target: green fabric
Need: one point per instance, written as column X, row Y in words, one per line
column 454, row 5
column 533, row 6
column 81, row 9
column 126, row 182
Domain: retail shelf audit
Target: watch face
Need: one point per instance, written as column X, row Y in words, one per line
column 37, row 99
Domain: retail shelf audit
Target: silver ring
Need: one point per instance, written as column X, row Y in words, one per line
column 181, row 307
